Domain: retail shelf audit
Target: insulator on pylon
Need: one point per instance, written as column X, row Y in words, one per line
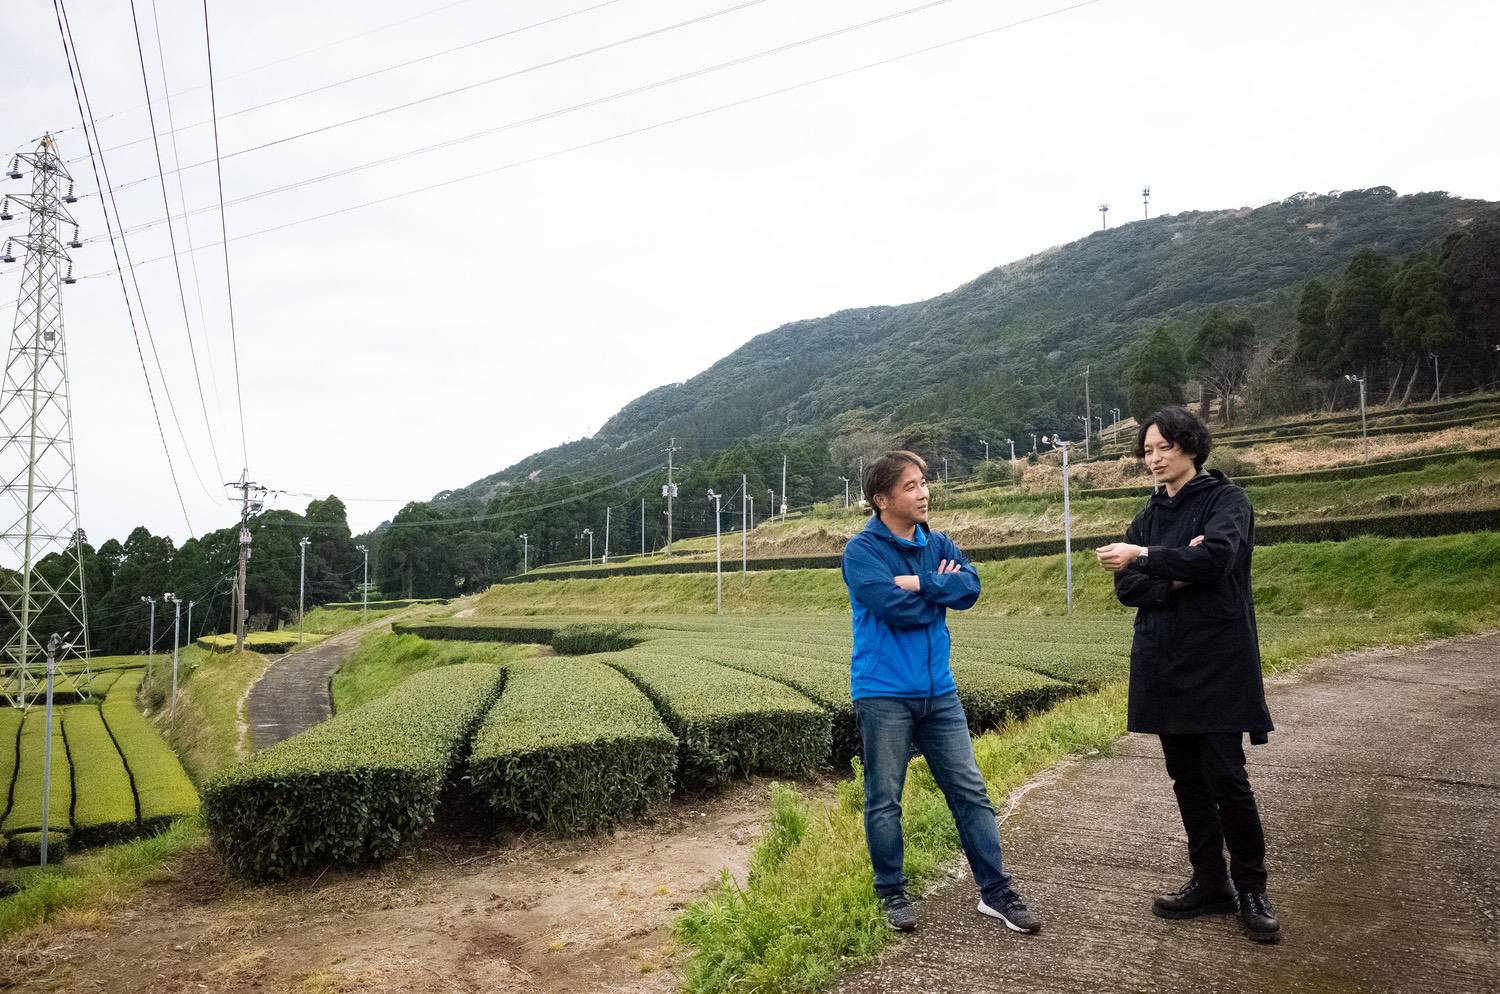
column 15, row 168
column 5, row 214
column 75, row 243
column 68, row 277
column 68, row 197
column 7, row 256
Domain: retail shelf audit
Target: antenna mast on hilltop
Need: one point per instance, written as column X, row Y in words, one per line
column 1146, row 202
column 1104, row 215
column 38, row 473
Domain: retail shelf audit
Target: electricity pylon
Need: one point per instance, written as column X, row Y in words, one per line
column 41, row 572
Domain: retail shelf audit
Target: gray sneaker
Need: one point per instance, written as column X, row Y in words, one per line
column 1013, row 912
column 899, row 914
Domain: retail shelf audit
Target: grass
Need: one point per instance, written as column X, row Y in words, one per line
column 384, row 659
column 97, row 879
column 1365, row 575
column 331, row 620
column 206, row 732
column 808, row 911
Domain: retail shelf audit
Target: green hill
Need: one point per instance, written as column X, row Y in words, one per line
column 1005, row 352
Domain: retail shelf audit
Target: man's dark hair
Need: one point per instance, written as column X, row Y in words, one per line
column 1182, row 428
column 882, row 475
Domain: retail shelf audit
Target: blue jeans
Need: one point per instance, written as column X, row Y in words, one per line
column 889, row 727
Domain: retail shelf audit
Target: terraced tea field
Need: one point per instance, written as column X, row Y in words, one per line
column 113, row 777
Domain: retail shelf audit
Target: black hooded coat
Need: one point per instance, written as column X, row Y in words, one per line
column 1195, row 659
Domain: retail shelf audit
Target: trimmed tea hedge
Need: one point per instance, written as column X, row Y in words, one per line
column 994, row 693
column 162, row 789
column 268, row 643
column 513, row 630
column 1355, row 472
column 729, row 723
column 572, row 746
column 25, row 813
column 10, row 733
column 103, row 801
column 357, row 787
column 384, row 605
column 25, row 848
column 824, row 681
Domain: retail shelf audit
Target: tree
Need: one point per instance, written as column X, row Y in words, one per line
column 1418, row 318
column 1470, row 258
column 1221, row 355
column 1156, row 375
column 1356, row 310
column 1316, row 350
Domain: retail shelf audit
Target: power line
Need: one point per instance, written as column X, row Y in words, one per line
column 239, row 394
column 187, row 324
column 764, row 95
column 513, row 74
column 75, row 74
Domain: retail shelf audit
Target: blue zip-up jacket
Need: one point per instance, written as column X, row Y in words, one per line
column 901, row 638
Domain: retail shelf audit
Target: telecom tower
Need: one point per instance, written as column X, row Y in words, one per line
column 41, row 563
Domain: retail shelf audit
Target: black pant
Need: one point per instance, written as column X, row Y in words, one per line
column 1218, row 808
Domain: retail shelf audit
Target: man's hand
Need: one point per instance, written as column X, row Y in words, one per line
column 1117, row 555
column 914, row 583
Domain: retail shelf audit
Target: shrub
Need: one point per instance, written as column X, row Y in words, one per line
column 516, row 630
column 162, row 789
column 572, row 746
column 104, row 803
column 10, row 734
column 25, row 813
column 728, row 723
column 25, row 848
column 579, row 640
column 993, row 693
column 357, row 787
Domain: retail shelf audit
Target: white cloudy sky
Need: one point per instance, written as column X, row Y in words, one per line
column 396, row 350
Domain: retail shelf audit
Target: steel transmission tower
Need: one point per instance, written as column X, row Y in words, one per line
column 42, row 586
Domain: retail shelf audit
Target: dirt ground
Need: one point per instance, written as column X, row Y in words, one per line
column 529, row 914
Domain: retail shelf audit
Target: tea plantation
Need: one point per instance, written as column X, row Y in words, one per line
column 113, row 777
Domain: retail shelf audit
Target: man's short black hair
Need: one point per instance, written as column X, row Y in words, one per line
column 882, row 475
column 1182, row 428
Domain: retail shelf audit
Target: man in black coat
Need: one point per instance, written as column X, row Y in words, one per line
column 1195, row 664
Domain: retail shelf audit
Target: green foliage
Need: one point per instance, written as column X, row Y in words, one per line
column 163, row 791
column 728, row 723
column 1357, row 309
column 1419, row 319
column 25, row 812
column 25, row 848
column 358, row 787
column 578, row 640
column 1156, row 375
column 572, row 746
column 267, row 643
column 10, row 734
column 104, row 802
column 382, row 660
column 1316, row 349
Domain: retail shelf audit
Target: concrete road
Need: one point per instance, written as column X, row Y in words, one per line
column 1380, row 794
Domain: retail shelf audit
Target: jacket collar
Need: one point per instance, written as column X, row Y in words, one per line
column 1202, row 483
column 877, row 528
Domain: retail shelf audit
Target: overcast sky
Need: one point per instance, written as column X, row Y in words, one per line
column 396, row 350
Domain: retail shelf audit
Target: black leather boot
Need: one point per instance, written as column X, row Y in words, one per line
column 1259, row 917
column 1194, row 899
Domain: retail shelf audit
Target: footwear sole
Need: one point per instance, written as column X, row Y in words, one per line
column 985, row 909
column 1211, row 908
column 1265, row 938
column 900, row 928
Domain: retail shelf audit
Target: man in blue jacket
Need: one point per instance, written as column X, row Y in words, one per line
column 902, row 578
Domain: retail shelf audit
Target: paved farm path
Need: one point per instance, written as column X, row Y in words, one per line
column 1380, row 793
column 295, row 692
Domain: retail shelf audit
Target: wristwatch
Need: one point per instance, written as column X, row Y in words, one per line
column 1142, row 557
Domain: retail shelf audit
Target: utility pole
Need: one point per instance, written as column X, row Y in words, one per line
column 986, row 450
column 861, row 480
column 1104, row 216
column 1362, row 432
column 1033, row 441
column 1067, row 521
column 718, row 559
column 752, row 513
column 248, row 505
column 301, row 590
column 190, row 620
column 38, row 472
column 1437, row 382
column 744, row 523
column 1114, row 427
column 945, row 467
column 1087, row 420
column 770, row 504
column 643, row 526
column 364, row 588
column 1012, row 443
column 783, row 486
column 171, row 599
column 846, row 491
column 670, row 490
column 1100, row 422
column 605, row 558
column 1145, row 202
column 590, row 533
column 151, row 637
column 525, row 548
